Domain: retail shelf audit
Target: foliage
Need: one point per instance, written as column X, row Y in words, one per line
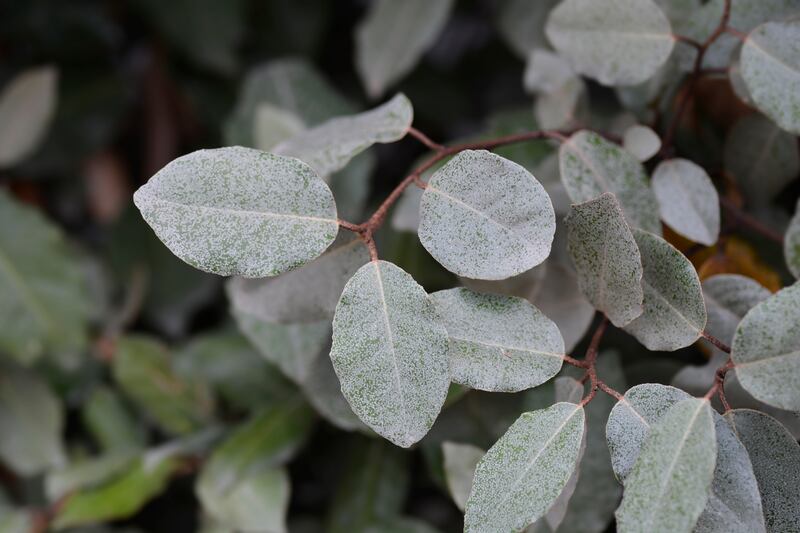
column 410, row 367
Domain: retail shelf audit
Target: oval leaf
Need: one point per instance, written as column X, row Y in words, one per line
column 606, row 258
column 766, row 350
column 390, row 353
column 641, row 141
column 775, row 456
column 240, row 211
column 546, row 72
column 392, row 38
column 728, row 298
column 674, row 310
column 667, row 489
column 770, row 66
column 620, row 42
column 27, row 104
column 460, row 461
column 591, row 165
column 521, row 476
column 687, row 200
column 485, row 217
column 498, row 343
column 331, row 145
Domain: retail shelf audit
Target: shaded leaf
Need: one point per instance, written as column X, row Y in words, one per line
column 460, row 461
column 791, row 243
column 546, row 72
column 240, row 211
column 88, row 473
column 524, row 472
column 642, row 142
column 27, row 104
column 590, row 166
column 606, row 258
column 498, row 343
column 667, row 488
column 390, row 353
column 521, row 24
column 109, row 421
column 728, row 298
column 329, row 146
column 485, row 217
column 674, row 310
column 766, row 350
column 392, row 37
column 770, row 67
column 622, row 42
column 687, row 200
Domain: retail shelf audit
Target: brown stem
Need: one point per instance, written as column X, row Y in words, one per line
column 718, row 387
column 591, row 359
column 715, row 341
column 749, row 221
column 424, row 139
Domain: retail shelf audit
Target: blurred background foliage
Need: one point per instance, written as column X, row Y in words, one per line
column 99, row 428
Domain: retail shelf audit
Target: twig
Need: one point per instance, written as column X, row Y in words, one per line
column 424, row 139
column 715, row 341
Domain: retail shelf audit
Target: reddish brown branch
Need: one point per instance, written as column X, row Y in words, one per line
column 424, row 139
column 591, row 360
column 715, row 341
column 718, row 388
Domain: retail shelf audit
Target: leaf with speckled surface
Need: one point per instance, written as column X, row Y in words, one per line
column 674, row 310
column 591, row 165
column 668, row 486
column 687, row 200
column 791, row 243
column 766, row 350
column 331, row 145
column 498, row 343
column 728, row 298
column 392, row 38
column 307, row 294
column 770, row 67
column 606, row 258
column 485, row 217
column 616, row 42
column 641, row 141
column 240, row 211
column 390, row 353
column 460, row 461
column 521, row 476
column 775, row 456
column 763, row 158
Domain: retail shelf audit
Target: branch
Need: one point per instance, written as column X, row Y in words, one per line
column 715, row 341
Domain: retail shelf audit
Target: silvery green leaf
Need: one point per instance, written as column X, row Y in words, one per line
column 15, row 520
column 770, row 63
column 775, row 456
column 521, row 24
column 642, row 142
column 568, row 389
column 728, row 298
column 390, row 353
column 31, row 422
column 485, row 217
column 597, row 492
column 674, row 310
column 392, row 38
column 546, row 72
column 668, row 487
column 498, row 343
column 307, row 294
column 762, row 157
column 121, row 497
column 27, row 104
column 558, row 510
column 734, row 504
column 273, row 125
column 521, row 476
column 766, row 350
column 88, row 472
column 240, row 211
column 591, row 165
column 619, row 42
column 553, row 289
column 631, row 419
column 373, row 487
column 549, row 175
column 606, row 258
column 738, row 84
column 460, row 461
column 44, row 298
column 293, row 348
column 406, row 212
column 141, row 367
column 329, row 146
column 562, row 107
column 240, row 484
column 687, row 200
column 791, row 243
column 401, row 525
